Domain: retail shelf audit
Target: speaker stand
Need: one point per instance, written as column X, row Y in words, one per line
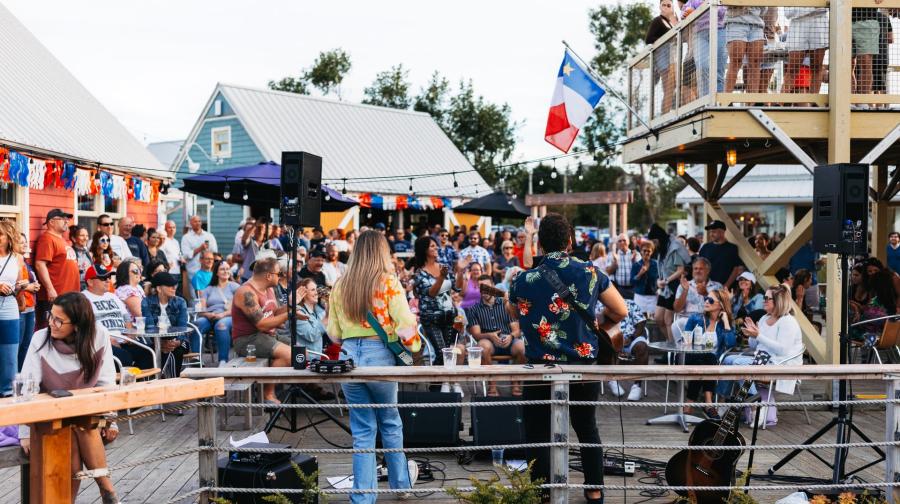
column 296, row 395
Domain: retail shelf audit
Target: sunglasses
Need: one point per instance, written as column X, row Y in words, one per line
column 106, row 224
column 104, row 240
column 134, row 272
column 710, row 300
column 507, row 248
column 768, row 298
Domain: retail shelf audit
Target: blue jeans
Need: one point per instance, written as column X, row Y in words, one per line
column 9, row 351
column 222, row 330
column 724, row 387
column 26, row 331
column 367, row 423
column 701, row 60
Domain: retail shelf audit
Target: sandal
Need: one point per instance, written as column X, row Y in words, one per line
column 493, row 392
column 517, row 390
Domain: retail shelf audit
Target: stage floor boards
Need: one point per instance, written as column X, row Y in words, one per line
column 157, row 482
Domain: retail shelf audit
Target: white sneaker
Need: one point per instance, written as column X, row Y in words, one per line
column 616, row 389
column 458, row 389
column 635, row 393
column 445, row 388
column 223, row 363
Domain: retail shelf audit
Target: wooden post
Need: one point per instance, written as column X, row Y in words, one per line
column 613, row 211
column 880, row 214
column 709, row 173
column 51, row 463
column 559, row 433
column 891, row 434
column 713, row 54
column 206, row 434
column 623, row 217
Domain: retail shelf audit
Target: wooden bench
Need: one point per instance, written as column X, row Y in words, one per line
column 12, row 456
column 242, row 389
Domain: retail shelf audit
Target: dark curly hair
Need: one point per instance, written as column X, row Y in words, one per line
column 554, row 233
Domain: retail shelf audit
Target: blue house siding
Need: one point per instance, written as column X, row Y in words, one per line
column 224, row 217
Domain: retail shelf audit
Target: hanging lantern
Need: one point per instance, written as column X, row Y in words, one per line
column 679, row 168
column 731, row 157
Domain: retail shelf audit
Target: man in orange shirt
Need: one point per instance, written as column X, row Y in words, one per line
column 55, row 264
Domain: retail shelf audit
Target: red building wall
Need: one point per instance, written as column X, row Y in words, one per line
column 143, row 213
column 43, row 201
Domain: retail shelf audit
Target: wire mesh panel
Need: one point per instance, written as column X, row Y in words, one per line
column 873, row 51
column 695, row 57
column 639, row 96
column 664, row 73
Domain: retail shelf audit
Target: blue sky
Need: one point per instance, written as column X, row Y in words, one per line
column 154, row 63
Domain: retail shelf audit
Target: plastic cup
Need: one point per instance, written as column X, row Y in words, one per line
column 140, row 323
column 449, row 358
column 497, row 457
column 474, row 356
column 127, row 378
column 251, row 354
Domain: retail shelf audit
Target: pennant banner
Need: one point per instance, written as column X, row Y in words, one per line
column 402, row 202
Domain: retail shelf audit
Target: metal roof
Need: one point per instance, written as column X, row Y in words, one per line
column 47, row 110
column 765, row 184
column 355, row 141
column 165, row 152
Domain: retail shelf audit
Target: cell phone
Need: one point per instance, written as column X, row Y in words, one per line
column 60, row 393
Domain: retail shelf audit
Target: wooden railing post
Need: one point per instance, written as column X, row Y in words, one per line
column 206, row 434
column 891, row 434
column 559, row 433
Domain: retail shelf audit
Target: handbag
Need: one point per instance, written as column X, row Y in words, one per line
column 401, row 354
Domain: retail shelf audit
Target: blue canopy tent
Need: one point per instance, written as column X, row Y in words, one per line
column 261, row 183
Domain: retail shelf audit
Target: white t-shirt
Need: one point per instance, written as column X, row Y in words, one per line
column 333, row 271
column 172, row 250
column 189, row 242
column 109, row 310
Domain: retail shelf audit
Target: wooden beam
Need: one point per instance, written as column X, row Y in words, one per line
column 720, row 179
column 50, row 478
column 735, row 179
column 820, row 100
column 691, row 181
column 891, row 190
column 879, row 214
column 583, row 198
column 100, row 400
column 734, row 234
column 874, row 98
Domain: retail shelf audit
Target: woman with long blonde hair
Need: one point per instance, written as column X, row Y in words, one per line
column 366, row 300
column 11, row 264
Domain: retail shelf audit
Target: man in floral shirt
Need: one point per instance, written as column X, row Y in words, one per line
column 554, row 332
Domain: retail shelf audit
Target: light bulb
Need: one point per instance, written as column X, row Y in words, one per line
column 246, row 196
column 327, row 197
column 581, row 176
column 731, row 157
column 541, row 182
column 553, row 174
column 369, row 215
column 227, row 193
column 679, row 168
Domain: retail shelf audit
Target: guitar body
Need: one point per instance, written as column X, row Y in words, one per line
column 705, row 468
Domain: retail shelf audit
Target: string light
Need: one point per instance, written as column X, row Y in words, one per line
column 327, row 196
column 553, row 174
column 410, row 186
column 731, row 157
column 227, row 193
column 344, row 188
column 246, row 196
column 455, row 183
column 679, row 168
column 369, row 214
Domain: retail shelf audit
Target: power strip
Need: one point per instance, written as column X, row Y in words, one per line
column 617, row 467
column 425, row 473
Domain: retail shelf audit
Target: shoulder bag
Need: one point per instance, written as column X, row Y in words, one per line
column 401, row 354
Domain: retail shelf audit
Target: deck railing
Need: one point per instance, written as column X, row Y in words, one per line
column 559, row 378
column 692, row 67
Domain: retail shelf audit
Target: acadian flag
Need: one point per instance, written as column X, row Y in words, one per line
column 574, row 99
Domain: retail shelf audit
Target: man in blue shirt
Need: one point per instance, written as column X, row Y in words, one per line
column 401, row 244
column 447, row 255
column 893, row 251
column 554, row 332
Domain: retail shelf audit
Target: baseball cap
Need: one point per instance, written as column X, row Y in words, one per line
column 379, row 225
column 163, row 278
column 317, row 252
column 748, row 276
column 263, row 254
column 716, row 224
column 99, row 272
column 56, row 212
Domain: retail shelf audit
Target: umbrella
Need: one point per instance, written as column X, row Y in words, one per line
column 261, row 183
column 496, row 204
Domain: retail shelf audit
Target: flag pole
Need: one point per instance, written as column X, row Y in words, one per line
column 600, row 80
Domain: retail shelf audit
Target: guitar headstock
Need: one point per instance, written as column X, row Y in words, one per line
column 490, row 290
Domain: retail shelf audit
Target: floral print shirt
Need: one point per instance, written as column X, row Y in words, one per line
column 430, row 306
column 389, row 306
column 552, row 329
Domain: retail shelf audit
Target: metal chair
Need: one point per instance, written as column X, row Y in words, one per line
column 798, row 355
column 887, row 340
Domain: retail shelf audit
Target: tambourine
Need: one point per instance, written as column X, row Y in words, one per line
column 331, row 366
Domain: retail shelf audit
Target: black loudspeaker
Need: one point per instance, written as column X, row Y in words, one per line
column 430, row 426
column 301, row 189
column 496, row 425
column 271, row 475
column 840, row 208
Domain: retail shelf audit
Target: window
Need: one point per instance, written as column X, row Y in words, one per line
column 90, row 206
column 221, row 142
column 11, row 199
column 217, row 108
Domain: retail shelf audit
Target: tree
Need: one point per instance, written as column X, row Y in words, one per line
column 619, row 32
column 328, row 71
column 433, row 99
column 326, row 75
column 390, row 89
column 484, row 132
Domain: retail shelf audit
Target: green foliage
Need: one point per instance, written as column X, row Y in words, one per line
column 432, row 99
column 619, row 31
column 522, row 489
column 326, row 75
column 390, row 89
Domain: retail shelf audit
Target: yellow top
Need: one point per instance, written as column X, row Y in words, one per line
column 389, row 306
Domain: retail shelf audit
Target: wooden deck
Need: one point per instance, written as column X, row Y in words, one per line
column 159, row 481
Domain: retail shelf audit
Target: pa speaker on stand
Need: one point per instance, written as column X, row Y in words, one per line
column 841, row 208
column 301, row 189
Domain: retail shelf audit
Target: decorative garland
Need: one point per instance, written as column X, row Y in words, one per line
column 37, row 173
column 402, row 202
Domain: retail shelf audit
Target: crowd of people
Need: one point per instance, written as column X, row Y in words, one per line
column 752, row 39
column 511, row 293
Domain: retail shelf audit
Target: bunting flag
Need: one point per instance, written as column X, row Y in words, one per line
column 402, row 202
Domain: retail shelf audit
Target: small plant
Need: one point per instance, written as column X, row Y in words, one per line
column 521, row 490
column 309, row 482
column 849, row 498
column 734, row 497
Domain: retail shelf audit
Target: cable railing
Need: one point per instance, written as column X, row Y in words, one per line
column 559, row 378
column 762, row 53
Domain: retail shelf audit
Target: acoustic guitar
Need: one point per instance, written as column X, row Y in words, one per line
column 715, row 467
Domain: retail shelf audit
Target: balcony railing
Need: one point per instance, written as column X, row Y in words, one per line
column 772, row 53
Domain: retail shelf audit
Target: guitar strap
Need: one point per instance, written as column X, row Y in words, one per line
column 607, row 348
